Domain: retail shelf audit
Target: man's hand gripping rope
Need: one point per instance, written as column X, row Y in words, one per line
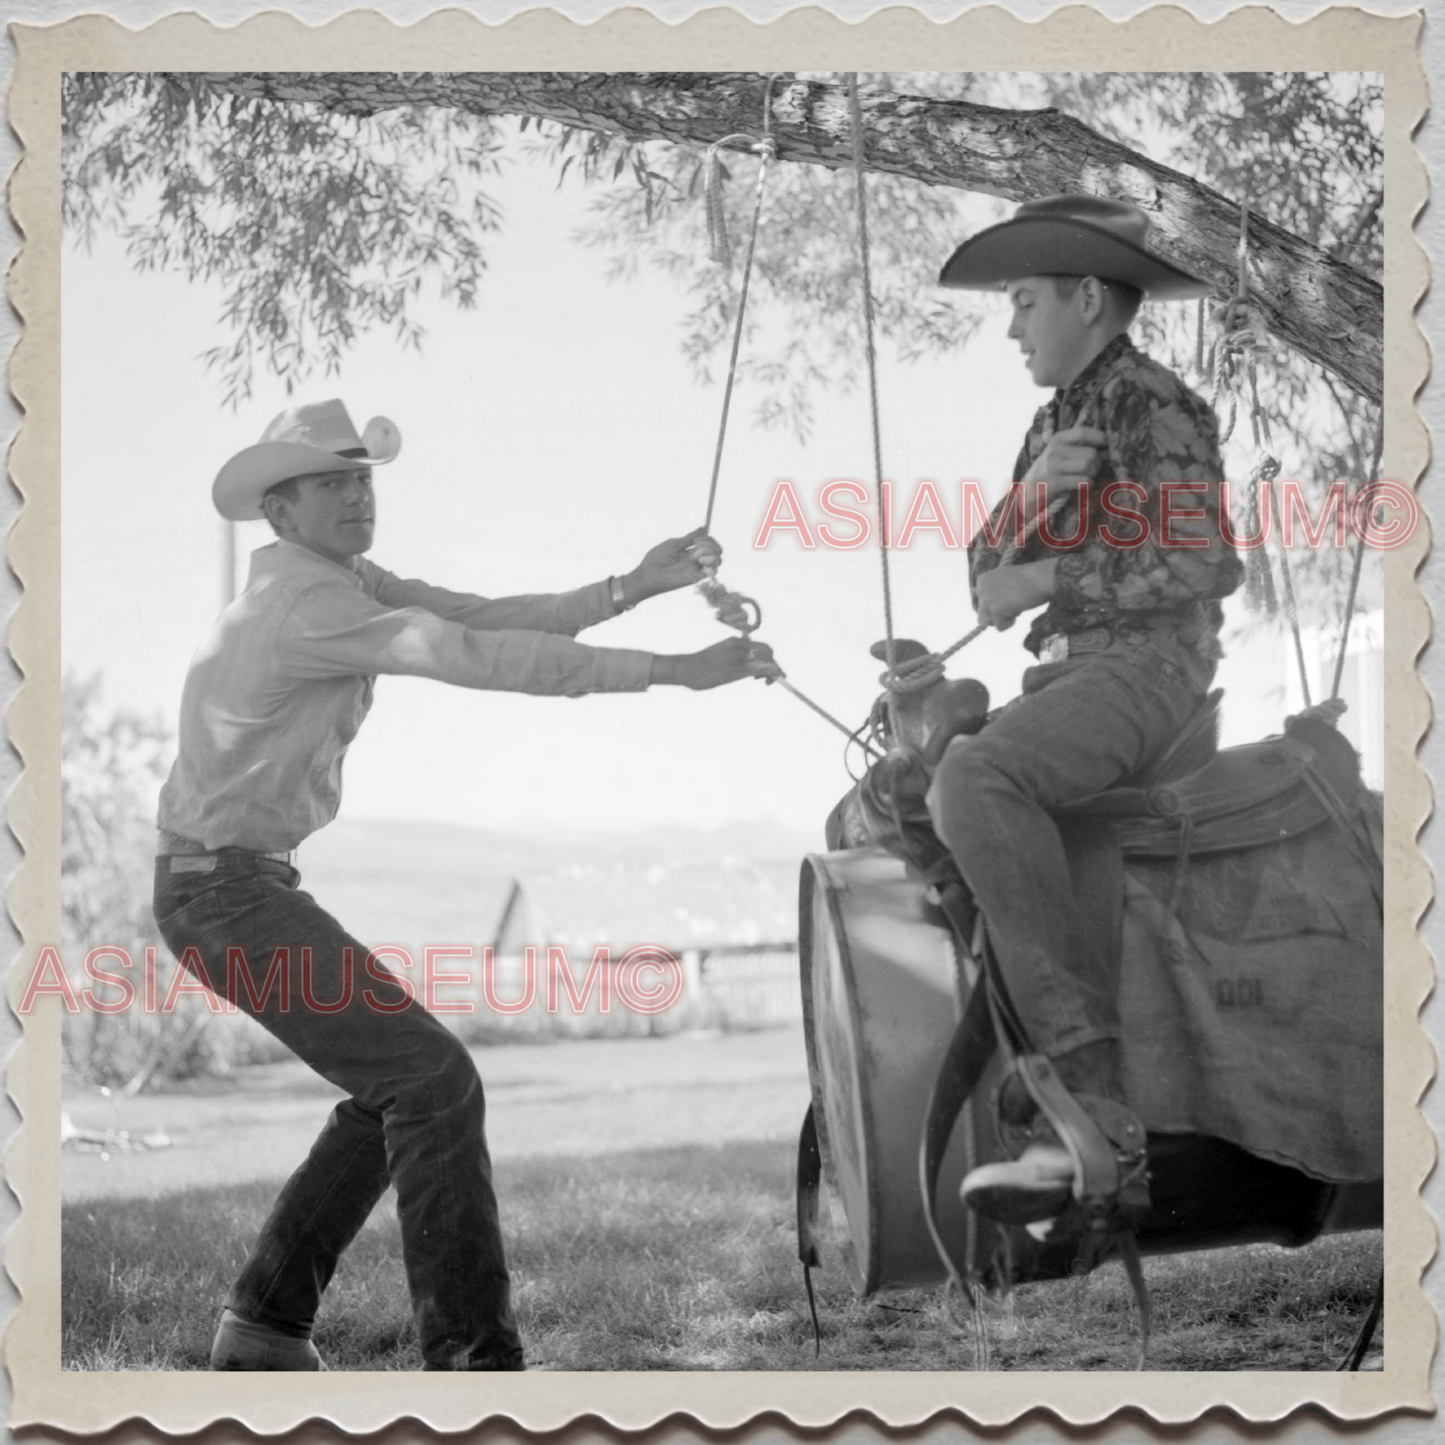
column 740, row 613
column 1069, row 460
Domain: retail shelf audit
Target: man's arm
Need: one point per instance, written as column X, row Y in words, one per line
column 336, row 630
column 1069, row 458
column 677, row 562
column 999, row 595
column 1158, row 439
column 561, row 613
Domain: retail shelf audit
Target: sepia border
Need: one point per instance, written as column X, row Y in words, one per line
column 988, row 39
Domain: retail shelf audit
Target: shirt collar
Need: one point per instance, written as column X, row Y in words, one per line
column 283, row 558
column 1117, row 348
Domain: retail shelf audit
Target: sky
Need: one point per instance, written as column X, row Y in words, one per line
column 550, row 436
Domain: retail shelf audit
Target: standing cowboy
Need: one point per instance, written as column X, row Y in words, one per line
column 1129, row 570
column 272, row 699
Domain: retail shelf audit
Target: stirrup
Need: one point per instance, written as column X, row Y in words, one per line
column 1107, row 1144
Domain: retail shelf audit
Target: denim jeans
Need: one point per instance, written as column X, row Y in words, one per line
column 1080, row 726
column 414, row 1117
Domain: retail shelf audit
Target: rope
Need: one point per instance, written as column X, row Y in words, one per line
column 850, row 733
column 1291, row 608
column 1357, row 564
column 731, row 608
column 766, row 149
column 860, row 200
column 922, row 672
column 1240, row 341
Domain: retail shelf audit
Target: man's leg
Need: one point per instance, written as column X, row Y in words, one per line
column 416, row 1116
column 318, row 1213
column 1081, row 727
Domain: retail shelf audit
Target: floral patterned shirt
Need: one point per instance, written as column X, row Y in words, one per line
column 1169, row 584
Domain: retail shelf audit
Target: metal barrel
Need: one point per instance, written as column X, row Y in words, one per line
column 883, row 989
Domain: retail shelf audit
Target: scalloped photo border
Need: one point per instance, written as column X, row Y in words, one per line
column 1163, row 38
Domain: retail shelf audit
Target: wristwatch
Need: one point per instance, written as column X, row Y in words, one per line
column 618, row 595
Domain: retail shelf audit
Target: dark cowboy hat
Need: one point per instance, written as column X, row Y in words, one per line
column 1070, row 235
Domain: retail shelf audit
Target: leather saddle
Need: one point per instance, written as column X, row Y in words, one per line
column 1197, row 799
column 1193, row 800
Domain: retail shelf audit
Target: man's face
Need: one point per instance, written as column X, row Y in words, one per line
column 334, row 513
column 1049, row 329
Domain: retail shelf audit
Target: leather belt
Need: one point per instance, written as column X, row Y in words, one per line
column 1063, row 645
column 172, row 845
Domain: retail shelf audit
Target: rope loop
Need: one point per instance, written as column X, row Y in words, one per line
column 731, row 608
column 916, row 675
column 719, row 245
column 922, row 672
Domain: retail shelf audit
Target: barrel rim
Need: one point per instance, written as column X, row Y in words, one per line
column 863, row 1274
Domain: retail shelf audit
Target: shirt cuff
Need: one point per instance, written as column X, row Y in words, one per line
column 590, row 605
column 621, row 669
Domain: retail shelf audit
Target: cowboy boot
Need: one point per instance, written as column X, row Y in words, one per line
column 241, row 1344
column 1047, row 1178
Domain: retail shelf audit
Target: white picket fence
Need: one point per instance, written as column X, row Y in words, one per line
column 753, row 988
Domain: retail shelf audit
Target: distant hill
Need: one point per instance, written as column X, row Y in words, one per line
column 413, row 882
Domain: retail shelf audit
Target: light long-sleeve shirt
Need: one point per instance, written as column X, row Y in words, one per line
column 284, row 679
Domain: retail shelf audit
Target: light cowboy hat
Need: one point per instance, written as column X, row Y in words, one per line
column 299, row 443
column 1070, row 235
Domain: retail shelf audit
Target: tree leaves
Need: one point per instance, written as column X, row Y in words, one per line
column 805, row 313
column 319, row 226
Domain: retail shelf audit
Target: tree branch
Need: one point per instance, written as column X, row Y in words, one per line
column 1321, row 306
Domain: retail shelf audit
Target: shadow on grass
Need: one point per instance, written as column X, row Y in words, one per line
column 685, row 1259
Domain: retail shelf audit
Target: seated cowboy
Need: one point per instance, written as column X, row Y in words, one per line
column 1127, row 642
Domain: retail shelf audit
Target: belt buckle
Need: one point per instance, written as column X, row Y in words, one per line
column 192, row 862
column 1055, row 648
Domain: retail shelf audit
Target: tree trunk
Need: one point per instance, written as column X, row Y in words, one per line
column 1323, row 307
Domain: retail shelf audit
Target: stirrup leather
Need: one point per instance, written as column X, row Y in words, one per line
column 1107, row 1144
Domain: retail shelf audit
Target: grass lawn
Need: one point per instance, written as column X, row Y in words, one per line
column 685, row 1259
